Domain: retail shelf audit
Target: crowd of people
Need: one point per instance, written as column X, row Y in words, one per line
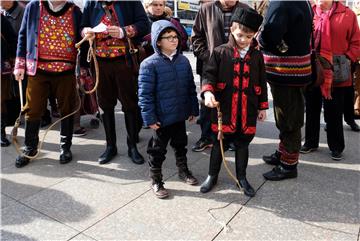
column 240, row 50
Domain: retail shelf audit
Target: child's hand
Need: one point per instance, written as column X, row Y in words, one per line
column 210, row 100
column 155, row 126
column 261, row 115
column 191, row 119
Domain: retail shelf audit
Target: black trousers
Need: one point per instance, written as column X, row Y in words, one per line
column 314, row 102
column 176, row 134
column 349, row 96
column 333, row 112
column 241, row 143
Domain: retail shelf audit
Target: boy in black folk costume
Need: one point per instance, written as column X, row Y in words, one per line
column 235, row 79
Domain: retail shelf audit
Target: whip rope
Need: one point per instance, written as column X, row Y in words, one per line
column 14, row 132
column 220, row 137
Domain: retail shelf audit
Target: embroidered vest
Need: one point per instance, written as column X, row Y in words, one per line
column 106, row 46
column 57, row 51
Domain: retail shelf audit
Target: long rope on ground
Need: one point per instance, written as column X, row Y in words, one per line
column 220, row 137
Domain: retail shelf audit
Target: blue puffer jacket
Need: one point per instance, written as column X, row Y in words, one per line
column 167, row 92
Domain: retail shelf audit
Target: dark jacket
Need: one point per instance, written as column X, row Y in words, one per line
column 290, row 22
column 167, row 92
column 8, row 46
column 240, row 91
column 27, row 48
column 208, row 30
column 15, row 15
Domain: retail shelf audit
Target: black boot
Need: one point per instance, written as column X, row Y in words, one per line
column 184, row 172
column 241, row 161
column 273, row 159
column 208, row 184
column 66, row 132
column 132, row 130
column 109, row 125
column 4, row 141
column 31, row 143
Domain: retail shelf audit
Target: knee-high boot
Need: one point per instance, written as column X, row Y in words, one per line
column 4, row 141
column 109, row 125
column 66, row 132
column 214, row 168
column 132, row 130
column 31, row 142
column 241, row 162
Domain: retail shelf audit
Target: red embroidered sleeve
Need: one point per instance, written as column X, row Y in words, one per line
column 263, row 105
column 20, row 63
column 207, row 87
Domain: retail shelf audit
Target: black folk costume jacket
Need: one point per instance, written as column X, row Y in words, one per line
column 239, row 85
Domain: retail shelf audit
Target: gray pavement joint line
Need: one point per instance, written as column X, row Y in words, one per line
column 46, row 215
column 82, row 234
column 142, row 194
column 242, row 206
column 43, row 189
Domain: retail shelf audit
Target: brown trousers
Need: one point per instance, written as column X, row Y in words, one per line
column 116, row 82
column 62, row 86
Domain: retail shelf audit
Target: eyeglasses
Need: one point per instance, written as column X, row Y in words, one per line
column 171, row 38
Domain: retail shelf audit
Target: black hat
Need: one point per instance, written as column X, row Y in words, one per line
column 247, row 17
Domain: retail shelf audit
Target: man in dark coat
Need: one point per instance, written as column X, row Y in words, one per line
column 285, row 40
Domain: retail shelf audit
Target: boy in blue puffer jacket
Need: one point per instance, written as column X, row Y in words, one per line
column 167, row 98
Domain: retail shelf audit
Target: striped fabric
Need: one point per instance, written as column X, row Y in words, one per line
column 288, row 65
column 288, row 70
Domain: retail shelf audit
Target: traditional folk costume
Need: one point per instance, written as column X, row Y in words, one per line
column 285, row 39
column 46, row 50
column 117, row 78
column 236, row 77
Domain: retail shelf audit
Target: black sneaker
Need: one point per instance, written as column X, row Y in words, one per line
column 304, row 149
column 336, row 155
column 201, row 145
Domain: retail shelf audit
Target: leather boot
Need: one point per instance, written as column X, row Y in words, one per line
column 4, row 141
column 31, row 143
column 66, row 132
column 132, row 130
column 241, row 162
column 109, row 125
column 273, row 159
column 157, row 185
column 208, row 184
column 184, row 172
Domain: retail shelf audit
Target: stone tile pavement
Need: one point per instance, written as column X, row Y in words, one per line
column 85, row 201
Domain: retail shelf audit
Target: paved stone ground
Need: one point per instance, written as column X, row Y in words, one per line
column 85, row 201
